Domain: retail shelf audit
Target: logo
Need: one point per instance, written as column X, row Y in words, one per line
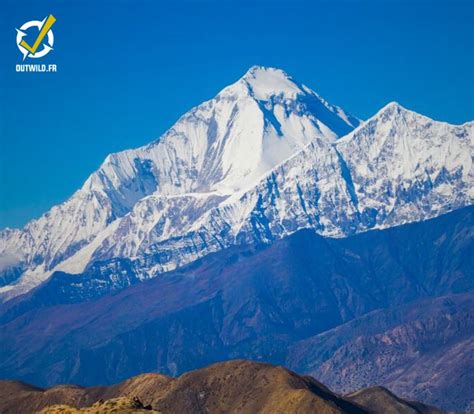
column 44, row 41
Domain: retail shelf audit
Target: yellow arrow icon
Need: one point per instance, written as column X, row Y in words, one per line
column 44, row 30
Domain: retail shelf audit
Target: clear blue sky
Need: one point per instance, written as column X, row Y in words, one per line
column 129, row 69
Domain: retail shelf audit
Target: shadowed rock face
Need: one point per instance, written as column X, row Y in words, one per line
column 237, row 386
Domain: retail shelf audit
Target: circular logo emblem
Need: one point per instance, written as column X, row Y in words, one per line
column 40, row 42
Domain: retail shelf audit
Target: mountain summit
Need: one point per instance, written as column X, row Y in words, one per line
column 267, row 156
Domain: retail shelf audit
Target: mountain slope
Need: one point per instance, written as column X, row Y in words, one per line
column 218, row 148
column 422, row 351
column 226, row 387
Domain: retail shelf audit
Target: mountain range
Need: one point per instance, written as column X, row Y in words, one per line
column 391, row 307
column 266, row 224
column 260, row 161
column 234, row 386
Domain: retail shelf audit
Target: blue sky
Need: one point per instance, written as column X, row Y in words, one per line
column 129, row 69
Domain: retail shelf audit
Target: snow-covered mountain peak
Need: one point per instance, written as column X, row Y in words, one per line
column 260, row 160
column 399, row 115
column 406, row 156
column 255, row 69
column 267, row 83
column 389, row 119
column 277, row 94
column 263, row 84
column 394, row 110
column 220, row 147
column 391, row 106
